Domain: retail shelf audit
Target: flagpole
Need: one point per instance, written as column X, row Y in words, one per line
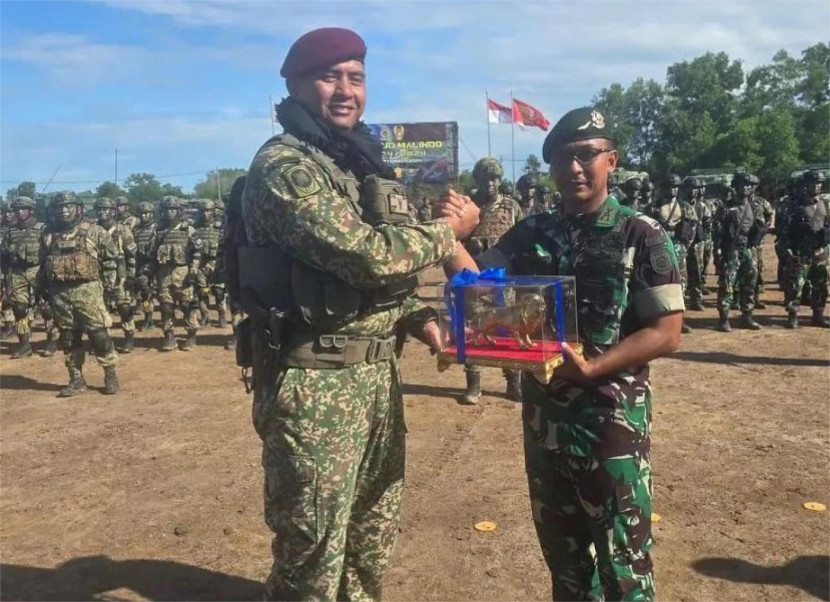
column 513, row 137
column 487, row 106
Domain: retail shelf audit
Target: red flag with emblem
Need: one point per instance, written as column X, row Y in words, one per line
column 524, row 114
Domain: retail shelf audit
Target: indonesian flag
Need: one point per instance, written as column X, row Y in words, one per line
column 497, row 113
column 524, row 114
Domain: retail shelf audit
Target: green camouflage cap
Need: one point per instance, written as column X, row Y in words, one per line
column 145, row 207
column 104, row 202
column 584, row 123
column 488, row 166
column 66, row 198
column 22, row 202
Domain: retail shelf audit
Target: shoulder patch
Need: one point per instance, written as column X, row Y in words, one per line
column 301, row 181
column 661, row 259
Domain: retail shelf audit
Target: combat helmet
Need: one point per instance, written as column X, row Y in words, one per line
column 543, row 189
column 488, row 166
column 741, row 178
column 207, row 205
column 22, row 202
column 526, row 182
column 145, row 207
column 170, row 202
column 505, row 187
column 121, row 200
column 672, row 180
column 66, row 198
column 632, row 184
column 104, row 202
column 812, row 177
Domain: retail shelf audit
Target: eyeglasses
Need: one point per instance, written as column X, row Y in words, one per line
column 583, row 156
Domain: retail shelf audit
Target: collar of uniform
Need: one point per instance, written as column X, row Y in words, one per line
column 607, row 213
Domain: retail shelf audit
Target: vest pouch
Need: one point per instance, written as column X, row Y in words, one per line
column 323, row 301
column 79, row 267
column 179, row 255
column 384, row 202
column 164, row 255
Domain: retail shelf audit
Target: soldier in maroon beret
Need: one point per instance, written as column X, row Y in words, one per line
column 327, row 273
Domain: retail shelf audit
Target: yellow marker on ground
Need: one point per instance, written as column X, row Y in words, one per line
column 656, row 518
column 486, row 526
column 815, row 506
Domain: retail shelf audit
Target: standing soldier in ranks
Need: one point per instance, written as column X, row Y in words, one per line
column 544, row 199
column 762, row 213
column 526, row 185
column 22, row 251
column 703, row 238
column 209, row 231
column 7, row 317
column 80, row 265
column 679, row 220
column 506, row 189
column 713, row 203
column 633, row 190
column 145, row 264
column 647, row 196
column 737, row 271
column 124, row 217
column 804, row 243
column 121, row 299
column 498, row 215
column 178, row 252
column 227, row 254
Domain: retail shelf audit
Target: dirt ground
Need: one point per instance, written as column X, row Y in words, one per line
column 155, row 494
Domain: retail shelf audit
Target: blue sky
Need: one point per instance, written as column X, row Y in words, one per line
column 181, row 87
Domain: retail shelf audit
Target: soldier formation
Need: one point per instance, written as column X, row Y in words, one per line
column 76, row 273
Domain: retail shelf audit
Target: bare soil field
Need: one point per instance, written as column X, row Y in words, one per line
column 155, row 494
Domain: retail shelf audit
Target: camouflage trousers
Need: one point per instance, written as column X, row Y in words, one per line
column 682, row 253
column 79, row 308
column 759, row 281
column 173, row 293
column 123, row 303
column 696, row 272
column 705, row 260
column 144, row 291
column 23, row 302
column 593, row 521
column 333, row 454
column 798, row 271
column 738, row 273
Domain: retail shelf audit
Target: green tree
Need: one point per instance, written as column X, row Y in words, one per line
column 169, row 189
column 23, row 189
column 814, row 134
column 611, row 102
column 777, row 144
column 814, row 88
column 143, row 187
column 109, row 189
column 466, row 182
column 208, row 188
column 533, row 165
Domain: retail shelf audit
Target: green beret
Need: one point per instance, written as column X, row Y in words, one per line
column 584, row 123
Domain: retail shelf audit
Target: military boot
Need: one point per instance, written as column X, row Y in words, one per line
column 190, row 342
column 205, row 321
column 760, row 304
column 723, row 323
column 685, row 328
column 748, row 322
column 51, row 348
column 169, row 343
column 735, row 305
column 223, row 318
column 696, row 305
column 792, row 320
column 24, row 348
column 514, row 386
column 111, row 384
column 819, row 319
column 129, row 342
column 473, row 392
column 77, row 384
column 6, row 332
column 148, row 322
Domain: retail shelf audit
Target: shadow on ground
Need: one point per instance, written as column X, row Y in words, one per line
column 721, row 357
column 88, row 577
column 809, row 573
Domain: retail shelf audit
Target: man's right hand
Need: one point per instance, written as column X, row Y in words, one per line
column 460, row 211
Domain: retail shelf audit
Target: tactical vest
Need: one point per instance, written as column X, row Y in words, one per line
column 145, row 239
column 71, row 256
column 495, row 219
column 737, row 224
column 759, row 226
column 117, row 233
column 270, row 278
column 704, row 220
column 24, row 246
column 809, row 225
column 210, row 236
column 172, row 245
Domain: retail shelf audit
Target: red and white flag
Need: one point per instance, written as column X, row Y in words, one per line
column 497, row 113
column 524, row 114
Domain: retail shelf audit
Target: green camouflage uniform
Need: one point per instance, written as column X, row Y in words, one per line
column 145, row 266
column 738, row 270
column 177, row 254
column 23, row 252
column 209, row 279
column 80, row 265
column 587, row 450
column 698, row 258
column 7, row 317
column 762, row 213
column 679, row 220
column 333, row 436
column 121, row 299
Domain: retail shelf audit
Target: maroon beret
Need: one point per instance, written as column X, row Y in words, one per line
column 322, row 48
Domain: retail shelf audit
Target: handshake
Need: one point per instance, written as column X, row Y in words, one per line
column 459, row 210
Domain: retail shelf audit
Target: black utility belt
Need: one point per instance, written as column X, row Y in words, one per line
column 306, row 350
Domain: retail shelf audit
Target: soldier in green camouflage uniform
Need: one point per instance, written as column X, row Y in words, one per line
column 738, row 270
column 320, row 203
column 145, row 263
column 125, row 218
column 703, row 237
column 178, row 252
column 7, row 329
column 804, row 244
column 22, row 251
column 587, row 431
column 633, row 190
column 498, row 215
column 121, row 299
column 526, row 185
column 209, row 231
column 80, row 266
column 762, row 214
column 679, row 220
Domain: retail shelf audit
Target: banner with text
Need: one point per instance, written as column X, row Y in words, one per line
column 420, row 153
